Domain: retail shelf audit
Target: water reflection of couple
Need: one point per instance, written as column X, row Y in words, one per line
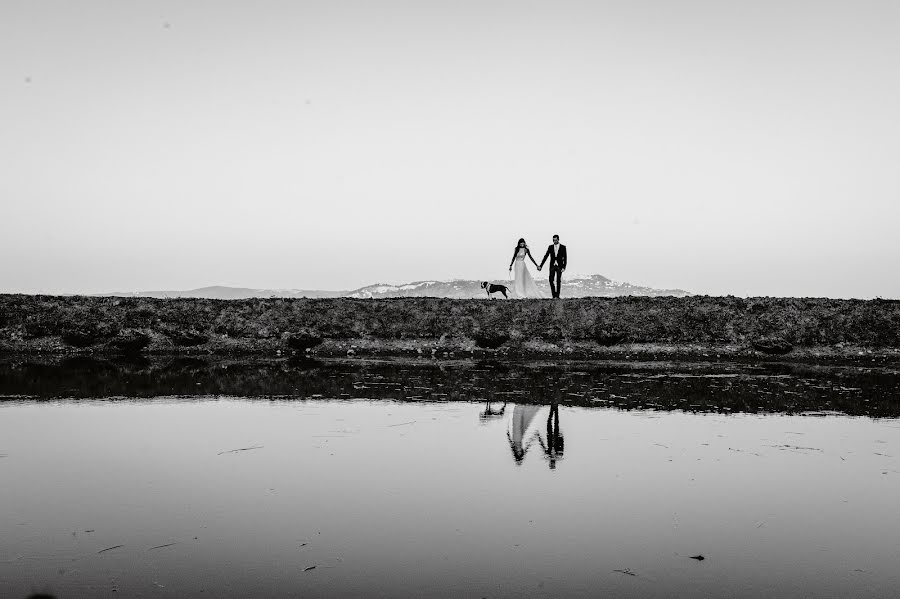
column 523, row 283
column 520, row 441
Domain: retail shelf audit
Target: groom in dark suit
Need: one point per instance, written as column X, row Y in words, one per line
column 558, row 259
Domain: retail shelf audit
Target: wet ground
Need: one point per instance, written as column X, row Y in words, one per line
column 305, row 479
column 695, row 387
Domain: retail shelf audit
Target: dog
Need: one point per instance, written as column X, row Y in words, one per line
column 491, row 288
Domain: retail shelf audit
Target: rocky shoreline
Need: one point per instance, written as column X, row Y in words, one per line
column 625, row 328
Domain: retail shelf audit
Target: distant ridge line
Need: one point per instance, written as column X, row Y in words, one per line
column 573, row 286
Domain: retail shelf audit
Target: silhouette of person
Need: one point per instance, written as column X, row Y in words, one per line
column 559, row 259
column 555, row 445
column 521, row 420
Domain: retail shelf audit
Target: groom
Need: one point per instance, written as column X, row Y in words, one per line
column 558, row 258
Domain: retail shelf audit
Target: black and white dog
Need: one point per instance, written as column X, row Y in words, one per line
column 491, row 288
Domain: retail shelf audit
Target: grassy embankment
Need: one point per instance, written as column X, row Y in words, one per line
column 587, row 327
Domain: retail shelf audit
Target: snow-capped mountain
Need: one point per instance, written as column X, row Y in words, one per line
column 573, row 286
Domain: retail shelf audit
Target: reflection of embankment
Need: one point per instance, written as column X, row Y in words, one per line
column 708, row 388
column 624, row 326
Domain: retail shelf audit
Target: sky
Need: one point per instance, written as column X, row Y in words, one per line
column 722, row 147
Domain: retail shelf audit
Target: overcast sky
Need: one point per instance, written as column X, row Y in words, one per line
column 723, row 147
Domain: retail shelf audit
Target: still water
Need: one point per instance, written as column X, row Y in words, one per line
column 467, row 480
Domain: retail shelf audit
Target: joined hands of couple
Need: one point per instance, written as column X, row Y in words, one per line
column 539, row 269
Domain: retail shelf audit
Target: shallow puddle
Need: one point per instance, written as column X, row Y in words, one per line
column 393, row 492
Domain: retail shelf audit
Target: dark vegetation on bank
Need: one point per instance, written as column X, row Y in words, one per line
column 334, row 326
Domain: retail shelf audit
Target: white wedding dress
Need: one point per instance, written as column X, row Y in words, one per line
column 523, row 284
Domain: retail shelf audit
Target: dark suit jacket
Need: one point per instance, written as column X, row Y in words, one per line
column 558, row 261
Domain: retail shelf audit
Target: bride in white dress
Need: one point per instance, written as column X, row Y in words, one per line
column 523, row 285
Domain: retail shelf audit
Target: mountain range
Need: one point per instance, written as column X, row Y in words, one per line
column 573, row 286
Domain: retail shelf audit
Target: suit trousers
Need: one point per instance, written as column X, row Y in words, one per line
column 555, row 280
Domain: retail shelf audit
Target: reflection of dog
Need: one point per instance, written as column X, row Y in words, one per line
column 490, row 412
column 491, row 288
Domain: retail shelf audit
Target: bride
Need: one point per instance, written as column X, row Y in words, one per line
column 523, row 286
